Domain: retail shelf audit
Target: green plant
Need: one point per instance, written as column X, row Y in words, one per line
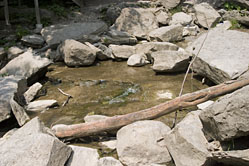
column 232, row 6
column 20, row 32
column 177, row 9
column 58, row 10
column 46, row 21
column 235, row 24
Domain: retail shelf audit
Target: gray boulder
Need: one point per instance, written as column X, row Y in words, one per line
column 55, row 34
column 227, row 118
column 191, row 30
column 137, row 60
column 122, row 52
column 109, row 161
column 28, row 66
column 34, row 41
column 78, row 54
column 234, row 158
column 170, row 33
column 82, row 156
column 41, row 105
column 105, row 54
column 221, row 61
column 181, row 18
column 136, row 21
column 187, row 143
column 169, row 4
column 141, row 143
column 8, row 86
column 170, row 61
column 30, row 94
column 33, row 145
column 163, row 18
column 206, row 15
column 118, row 37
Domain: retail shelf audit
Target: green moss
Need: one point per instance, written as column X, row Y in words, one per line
column 235, row 24
column 232, row 6
column 177, row 9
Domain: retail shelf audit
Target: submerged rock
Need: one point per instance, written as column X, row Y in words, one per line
column 221, row 61
column 136, row 21
column 187, row 143
column 170, row 61
column 41, row 105
column 55, row 34
column 140, row 143
column 170, row 33
column 82, row 156
column 33, row 145
column 227, row 118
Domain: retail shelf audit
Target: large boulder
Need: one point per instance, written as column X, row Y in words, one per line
column 122, row 52
column 187, row 143
column 140, row 143
column 137, row 60
column 221, row 58
column 33, row 145
column 206, row 15
column 55, row 34
column 78, row 54
column 8, row 86
column 83, row 156
column 170, row 33
column 118, row 37
column 234, row 158
column 170, row 61
column 227, row 118
column 28, row 66
column 136, row 21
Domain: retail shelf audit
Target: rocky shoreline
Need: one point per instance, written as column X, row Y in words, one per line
column 141, row 33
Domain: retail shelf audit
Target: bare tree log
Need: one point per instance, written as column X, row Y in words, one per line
column 116, row 122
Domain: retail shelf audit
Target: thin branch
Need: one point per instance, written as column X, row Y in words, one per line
column 68, row 97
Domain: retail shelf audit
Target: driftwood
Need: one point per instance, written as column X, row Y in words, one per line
column 116, row 122
column 65, row 94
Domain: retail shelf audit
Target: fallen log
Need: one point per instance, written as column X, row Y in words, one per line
column 116, row 122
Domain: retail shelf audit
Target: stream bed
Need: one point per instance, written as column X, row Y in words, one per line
column 109, row 88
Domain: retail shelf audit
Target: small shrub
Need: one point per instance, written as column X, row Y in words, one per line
column 177, row 9
column 58, row 10
column 20, row 32
column 235, row 24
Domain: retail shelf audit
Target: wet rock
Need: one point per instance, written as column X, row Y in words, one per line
column 33, row 145
column 82, row 156
column 169, row 4
column 41, row 105
column 227, row 118
column 163, row 18
column 78, row 54
column 206, row 15
column 32, row 67
column 110, row 144
column 106, row 52
column 55, row 34
column 94, row 118
column 13, row 52
column 32, row 91
column 137, row 60
column 187, row 143
column 170, row 61
column 122, row 52
column 19, row 112
column 227, row 66
column 170, row 33
column 181, row 18
column 34, row 41
column 234, row 158
column 8, row 86
column 191, row 30
column 109, row 161
column 141, row 143
column 118, row 37
column 204, row 105
column 136, row 21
